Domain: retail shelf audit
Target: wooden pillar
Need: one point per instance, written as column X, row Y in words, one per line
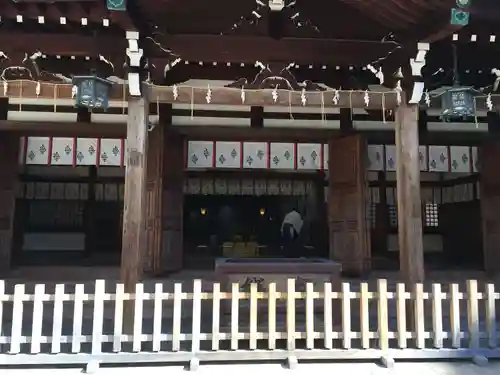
column 9, row 165
column 489, row 158
column 347, row 204
column 411, row 254
column 134, row 212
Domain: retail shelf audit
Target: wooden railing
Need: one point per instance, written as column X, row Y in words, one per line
column 72, row 325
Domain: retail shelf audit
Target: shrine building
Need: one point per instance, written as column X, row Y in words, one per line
column 128, row 128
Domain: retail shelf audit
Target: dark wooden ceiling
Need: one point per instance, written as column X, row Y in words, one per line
column 198, row 31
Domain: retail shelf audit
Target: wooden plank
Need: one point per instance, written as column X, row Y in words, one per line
column 134, row 213
column 310, row 316
column 401, row 315
column 437, row 316
column 473, row 314
column 411, row 254
column 157, row 316
column 118, row 320
column 235, row 312
column 36, row 327
column 328, row 316
column 253, row 315
column 419, row 316
column 290, row 314
column 98, row 316
column 17, row 319
column 57, row 319
column 196, row 317
column 216, row 316
column 176, row 317
column 455, row 316
column 491, row 321
column 346, row 316
column 271, row 313
column 77, row 318
column 138, row 313
column 364, row 305
column 382, row 315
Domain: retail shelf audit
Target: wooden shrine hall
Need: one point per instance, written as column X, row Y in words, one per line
column 121, row 125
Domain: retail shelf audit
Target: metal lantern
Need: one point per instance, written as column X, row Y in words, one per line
column 458, row 103
column 92, row 91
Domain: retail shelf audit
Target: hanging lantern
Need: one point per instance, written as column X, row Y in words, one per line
column 458, row 103
column 92, row 91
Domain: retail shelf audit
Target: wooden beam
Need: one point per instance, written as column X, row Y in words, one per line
column 63, row 44
column 411, row 255
column 219, row 96
column 241, row 49
column 264, row 97
column 134, row 213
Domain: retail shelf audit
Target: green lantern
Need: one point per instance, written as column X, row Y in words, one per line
column 120, row 5
column 92, row 91
column 458, row 103
column 459, row 17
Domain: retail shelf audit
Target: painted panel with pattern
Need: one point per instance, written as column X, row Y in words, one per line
column 228, row 155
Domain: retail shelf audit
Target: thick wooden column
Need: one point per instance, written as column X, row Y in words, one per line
column 347, row 203
column 9, row 165
column 489, row 157
column 134, row 213
column 172, row 251
column 411, row 254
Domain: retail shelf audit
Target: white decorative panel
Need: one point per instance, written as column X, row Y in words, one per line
column 475, row 159
column 460, row 159
column 438, row 159
column 375, row 157
column 200, row 154
column 37, row 150
column 228, row 154
column 309, row 156
column 325, row 156
column 255, row 155
column 282, row 155
column 86, row 151
column 423, row 159
column 390, row 158
column 111, row 152
column 63, row 151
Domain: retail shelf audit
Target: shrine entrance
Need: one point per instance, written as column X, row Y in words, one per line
column 242, row 217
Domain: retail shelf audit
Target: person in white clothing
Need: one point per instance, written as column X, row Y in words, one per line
column 290, row 232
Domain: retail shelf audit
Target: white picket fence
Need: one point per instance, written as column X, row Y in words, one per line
column 261, row 323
